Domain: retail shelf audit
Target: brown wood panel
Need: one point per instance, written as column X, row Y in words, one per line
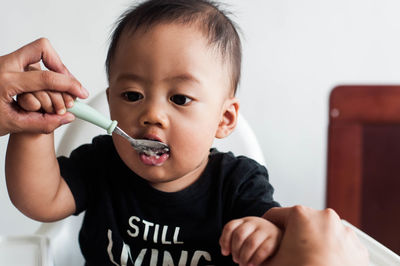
column 363, row 175
column 344, row 194
column 365, row 104
column 380, row 212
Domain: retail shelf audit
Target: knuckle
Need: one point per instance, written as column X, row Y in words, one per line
column 4, row 76
column 299, row 210
column 46, row 77
column 236, row 237
column 231, row 225
column 5, row 81
column 330, row 213
column 350, row 232
column 239, row 234
column 251, row 243
column 348, row 229
column 43, row 42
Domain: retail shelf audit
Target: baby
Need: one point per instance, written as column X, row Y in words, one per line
column 173, row 68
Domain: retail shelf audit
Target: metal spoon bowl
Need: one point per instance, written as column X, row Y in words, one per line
column 150, row 147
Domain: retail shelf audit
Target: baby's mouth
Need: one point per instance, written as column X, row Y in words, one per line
column 154, row 157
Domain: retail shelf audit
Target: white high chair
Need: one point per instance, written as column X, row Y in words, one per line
column 60, row 239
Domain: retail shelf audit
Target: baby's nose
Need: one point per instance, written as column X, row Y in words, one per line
column 154, row 115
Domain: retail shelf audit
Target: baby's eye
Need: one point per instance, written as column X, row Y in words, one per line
column 180, row 99
column 132, row 96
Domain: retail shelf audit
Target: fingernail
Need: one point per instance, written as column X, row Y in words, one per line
column 69, row 104
column 85, row 92
column 67, row 119
column 61, row 111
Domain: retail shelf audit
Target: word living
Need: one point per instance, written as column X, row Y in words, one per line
column 153, row 233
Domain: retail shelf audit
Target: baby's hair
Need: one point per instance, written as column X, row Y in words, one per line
column 220, row 31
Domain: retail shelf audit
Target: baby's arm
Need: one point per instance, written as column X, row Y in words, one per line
column 250, row 240
column 34, row 183
column 33, row 177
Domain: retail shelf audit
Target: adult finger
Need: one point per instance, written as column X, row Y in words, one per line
column 278, row 216
column 40, row 123
column 281, row 216
column 36, row 51
column 33, row 53
column 42, row 80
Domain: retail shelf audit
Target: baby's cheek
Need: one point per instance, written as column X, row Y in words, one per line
column 124, row 150
column 194, row 151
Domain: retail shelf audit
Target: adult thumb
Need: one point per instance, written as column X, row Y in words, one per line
column 36, row 122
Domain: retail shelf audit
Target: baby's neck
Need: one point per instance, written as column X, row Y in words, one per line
column 184, row 181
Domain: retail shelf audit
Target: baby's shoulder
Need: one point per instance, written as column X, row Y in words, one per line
column 100, row 145
column 235, row 168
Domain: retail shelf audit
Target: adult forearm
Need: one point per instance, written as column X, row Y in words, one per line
column 32, row 173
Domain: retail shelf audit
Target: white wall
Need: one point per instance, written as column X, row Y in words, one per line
column 295, row 52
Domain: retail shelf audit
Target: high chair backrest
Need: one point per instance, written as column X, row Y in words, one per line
column 63, row 235
column 363, row 159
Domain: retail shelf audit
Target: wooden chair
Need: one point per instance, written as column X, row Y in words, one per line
column 363, row 183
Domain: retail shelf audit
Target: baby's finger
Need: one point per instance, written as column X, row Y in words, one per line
column 226, row 237
column 58, row 102
column 28, row 102
column 263, row 252
column 239, row 236
column 45, row 101
column 68, row 100
column 250, row 246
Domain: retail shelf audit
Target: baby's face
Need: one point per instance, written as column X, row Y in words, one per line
column 167, row 84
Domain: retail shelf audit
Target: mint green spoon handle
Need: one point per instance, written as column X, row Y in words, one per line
column 87, row 113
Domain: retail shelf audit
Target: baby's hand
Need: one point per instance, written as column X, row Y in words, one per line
column 46, row 101
column 250, row 240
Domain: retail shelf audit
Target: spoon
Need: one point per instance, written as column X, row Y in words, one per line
column 89, row 114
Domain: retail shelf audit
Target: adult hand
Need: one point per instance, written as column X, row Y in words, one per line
column 312, row 237
column 15, row 79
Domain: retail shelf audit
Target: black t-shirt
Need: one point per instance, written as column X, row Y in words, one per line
column 127, row 222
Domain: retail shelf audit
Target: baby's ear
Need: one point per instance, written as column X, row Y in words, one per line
column 228, row 118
